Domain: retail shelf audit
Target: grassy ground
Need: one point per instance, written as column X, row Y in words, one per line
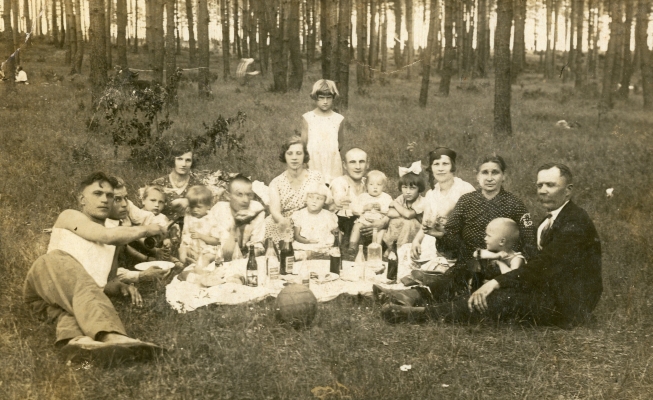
column 241, row 352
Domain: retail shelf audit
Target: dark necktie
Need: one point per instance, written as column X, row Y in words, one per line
column 547, row 228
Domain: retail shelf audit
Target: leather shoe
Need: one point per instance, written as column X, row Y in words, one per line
column 383, row 295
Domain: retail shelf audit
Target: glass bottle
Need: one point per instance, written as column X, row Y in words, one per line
column 335, row 258
column 271, row 261
column 374, row 252
column 359, row 264
column 393, row 263
column 287, row 258
column 290, row 262
column 219, row 255
column 252, row 268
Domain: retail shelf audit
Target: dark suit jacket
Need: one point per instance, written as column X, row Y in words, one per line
column 568, row 268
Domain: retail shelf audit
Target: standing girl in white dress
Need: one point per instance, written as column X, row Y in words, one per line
column 322, row 131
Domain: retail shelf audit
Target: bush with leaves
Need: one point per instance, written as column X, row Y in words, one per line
column 218, row 135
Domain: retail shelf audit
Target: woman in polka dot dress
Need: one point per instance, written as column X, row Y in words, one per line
column 288, row 190
column 464, row 231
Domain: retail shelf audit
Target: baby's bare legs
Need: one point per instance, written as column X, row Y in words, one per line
column 355, row 236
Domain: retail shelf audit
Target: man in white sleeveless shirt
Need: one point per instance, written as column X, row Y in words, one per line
column 71, row 282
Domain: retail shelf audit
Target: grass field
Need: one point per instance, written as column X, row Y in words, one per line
column 241, row 352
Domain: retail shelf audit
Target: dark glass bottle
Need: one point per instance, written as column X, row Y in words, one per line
column 252, row 268
column 393, row 262
column 286, row 258
column 335, row 257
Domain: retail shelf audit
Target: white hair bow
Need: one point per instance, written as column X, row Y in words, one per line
column 415, row 168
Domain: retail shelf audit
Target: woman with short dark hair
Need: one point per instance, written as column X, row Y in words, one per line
column 288, row 190
column 176, row 183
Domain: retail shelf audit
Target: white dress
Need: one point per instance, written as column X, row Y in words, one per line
column 323, row 144
column 317, row 227
column 437, row 205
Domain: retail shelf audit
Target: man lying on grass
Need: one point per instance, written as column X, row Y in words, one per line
column 560, row 286
column 71, row 282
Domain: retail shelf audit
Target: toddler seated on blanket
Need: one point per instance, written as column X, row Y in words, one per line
column 200, row 234
column 370, row 206
column 499, row 258
column 315, row 227
column 406, row 210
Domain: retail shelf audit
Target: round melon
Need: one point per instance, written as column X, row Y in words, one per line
column 296, row 305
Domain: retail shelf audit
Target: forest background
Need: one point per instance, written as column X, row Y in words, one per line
column 587, row 62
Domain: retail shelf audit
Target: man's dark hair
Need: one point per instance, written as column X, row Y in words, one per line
column 565, row 171
column 96, row 177
column 238, row 178
column 120, row 183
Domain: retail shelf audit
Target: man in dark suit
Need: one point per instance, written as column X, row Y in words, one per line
column 560, row 286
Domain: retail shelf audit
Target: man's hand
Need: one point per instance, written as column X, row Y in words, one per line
column 130, row 290
column 243, row 217
column 478, row 300
column 437, row 231
column 153, row 273
column 179, row 205
column 162, row 253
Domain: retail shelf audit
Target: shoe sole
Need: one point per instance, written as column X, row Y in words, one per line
column 111, row 355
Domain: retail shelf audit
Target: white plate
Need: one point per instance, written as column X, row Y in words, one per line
column 164, row 265
column 328, row 277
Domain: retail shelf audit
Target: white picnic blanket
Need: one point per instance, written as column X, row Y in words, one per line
column 185, row 296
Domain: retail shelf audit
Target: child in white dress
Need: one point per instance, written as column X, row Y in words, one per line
column 370, row 207
column 322, row 131
column 406, row 210
column 200, row 233
column 314, row 226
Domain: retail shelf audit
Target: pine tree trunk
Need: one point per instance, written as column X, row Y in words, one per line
column 55, row 26
column 556, row 14
column 135, row 46
column 157, row 52
column 590, row 37
column 482, row 56
column 109, row 13
column 384, row 36
column 502, row 122
column 332, row 32
column 264, row 32
column 645, row 54
column 276, row 14
column 224, row 13
column 595, row 46
column 97, row 42
column 170, row 49
column 296, row 65
column 447, row 68
column 244, row 18
column 79, row 54
column 373, row 37
column 71, row 37
column 580, row 67
column 8, row 47
column 362, row 70
column 617, row 69
column 310, row 38
column 62, row 23
column 610, row 56
column 627, row 61
column 469, row 38
column 548, row 65
column 410, row 46
column 344, row 56
column 192, row 52
column 519, row 47
column 203, row 84
column 237, row 49
column 571, row 57
column 28, row 20
column 121, row 32
column 426, row 57
column 399, row 62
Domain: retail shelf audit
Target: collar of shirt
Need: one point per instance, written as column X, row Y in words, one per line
column 554, row 213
